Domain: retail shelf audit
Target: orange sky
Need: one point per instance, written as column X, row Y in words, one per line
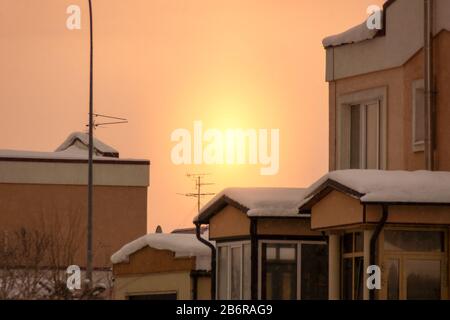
column 165, row 63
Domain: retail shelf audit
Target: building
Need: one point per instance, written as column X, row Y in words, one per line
column 163, row 267
column 47, row 192
column 264, row 249
column 389, row 116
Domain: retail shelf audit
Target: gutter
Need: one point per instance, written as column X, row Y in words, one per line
column 373, row 243
column 429, row 85
column 213, row 259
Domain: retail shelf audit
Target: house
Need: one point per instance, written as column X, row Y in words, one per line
column 264, row 249
column 47, row 192
column 389, row 119
column 163, row 267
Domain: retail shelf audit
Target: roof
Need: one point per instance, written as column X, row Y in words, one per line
column 100, row 148
column 383, row 187
column 182, row 245
column 255, row 202
column 358, row 33
column 73, row 149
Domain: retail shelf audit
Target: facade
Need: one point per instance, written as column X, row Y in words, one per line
column 264, row 249
column 47, row 192
column 163, row 267
column 397, row 220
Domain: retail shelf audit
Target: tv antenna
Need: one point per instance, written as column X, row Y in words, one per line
column 114, row 121
column 199, row 183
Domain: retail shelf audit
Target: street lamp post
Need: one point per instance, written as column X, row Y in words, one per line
column 91, row 155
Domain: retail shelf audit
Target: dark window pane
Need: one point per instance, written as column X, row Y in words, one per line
column 347, row 273
column 314, row 267
column 359, row 278
column 418, row 241
column 359, row 242
column 419, row 125
column 423, row 279
column 355, row 137
column 392, row 274
column 279, row 276
column 347, row 242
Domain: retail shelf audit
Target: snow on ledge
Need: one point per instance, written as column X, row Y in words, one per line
column 183, row 245
column 356, row 34
column 377, row 186
column 262, row 202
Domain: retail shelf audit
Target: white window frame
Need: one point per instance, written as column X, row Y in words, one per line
column 362, row 98
column 299, row 244
column 230, row 246
column 417, row 146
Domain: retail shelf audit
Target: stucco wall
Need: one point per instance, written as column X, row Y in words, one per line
column 286, row 227
column 400, row 154
column 158, row 283
column 229, row 222
column 120, row 214
column 336, row 210
column 150, row 260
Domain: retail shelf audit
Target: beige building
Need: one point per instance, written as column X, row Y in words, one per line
column 46, row 191
column 389, row 110
column 163, row 267
column 264, row 249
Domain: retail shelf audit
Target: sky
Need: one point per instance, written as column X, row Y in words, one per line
column 163, row 64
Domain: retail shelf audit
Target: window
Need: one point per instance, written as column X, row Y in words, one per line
column 364, row 146
column 353, row 266
column 361, row 130
column 233, row 269
column 279, row 279
column 418, row 114
column 294, row 270
column 414, row 264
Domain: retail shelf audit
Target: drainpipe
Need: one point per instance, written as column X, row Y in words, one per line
column 373, row 243
column 213, row 259
column 429, row 85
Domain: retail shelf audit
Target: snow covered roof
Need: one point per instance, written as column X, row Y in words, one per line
column 256, row 202
column 377, row 186
column 183, row 245
column 75, row 147
column 81, row 141
column 356, row 34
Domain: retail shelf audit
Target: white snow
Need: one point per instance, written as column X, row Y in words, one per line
column 356, row 34
column 263, row 202
column 71, row 140
column 183, row 245
column 74, row 148
column 391, row 186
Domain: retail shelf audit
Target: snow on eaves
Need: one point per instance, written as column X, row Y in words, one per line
column 356, row 34
column 262, row 202
column 101, row 147
column 377, row 186
column 183, row 246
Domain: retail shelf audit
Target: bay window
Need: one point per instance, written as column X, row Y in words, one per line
column 293, row 270
column 414, row 264
column 352, row 266
column 233, row 271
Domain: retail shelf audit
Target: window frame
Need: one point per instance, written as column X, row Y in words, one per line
column 351, row 255
column 417, row 146
column 298, row 244
column 343, row 133
column 403, row 256
column 230, row 246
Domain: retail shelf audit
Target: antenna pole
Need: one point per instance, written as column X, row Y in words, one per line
column 91, row 155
